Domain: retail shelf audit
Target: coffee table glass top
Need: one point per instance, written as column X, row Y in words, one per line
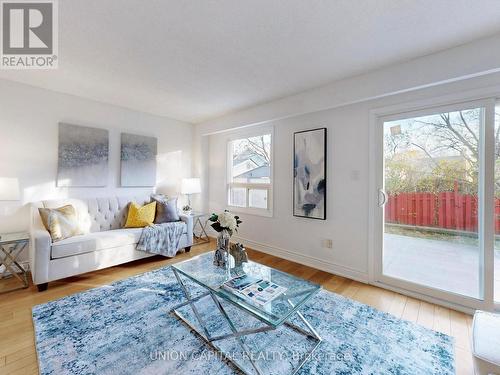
column 202, row 271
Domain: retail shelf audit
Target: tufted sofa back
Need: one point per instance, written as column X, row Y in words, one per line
column 96, row 214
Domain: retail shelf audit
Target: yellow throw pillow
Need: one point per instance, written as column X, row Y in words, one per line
column 61, row 222
column 139, row 217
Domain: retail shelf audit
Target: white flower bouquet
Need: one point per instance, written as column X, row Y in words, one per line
column 225, row 221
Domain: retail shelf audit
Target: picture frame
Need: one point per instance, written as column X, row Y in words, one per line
column 83, row 156
column 310, row 173
column 138, row 160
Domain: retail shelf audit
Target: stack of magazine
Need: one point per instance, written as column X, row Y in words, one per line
column 254, row 289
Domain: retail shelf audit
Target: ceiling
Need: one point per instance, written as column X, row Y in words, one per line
column 197, row 60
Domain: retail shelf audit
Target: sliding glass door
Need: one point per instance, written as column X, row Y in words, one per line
column 437, row 213
column 431, row 213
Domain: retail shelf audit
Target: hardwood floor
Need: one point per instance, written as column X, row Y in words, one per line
column 17, row 350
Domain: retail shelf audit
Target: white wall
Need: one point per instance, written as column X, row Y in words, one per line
column 346, row 222
column 29, row 120
column 481, row 57
column 348, row 123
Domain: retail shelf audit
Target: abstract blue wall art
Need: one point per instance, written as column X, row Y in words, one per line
column 83, row 156
column 309, row 174
column 138, row 160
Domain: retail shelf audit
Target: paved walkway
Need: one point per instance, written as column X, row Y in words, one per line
column 440, row 264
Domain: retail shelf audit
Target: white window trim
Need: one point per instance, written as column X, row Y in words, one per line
column 247, row 133
column 418, row 108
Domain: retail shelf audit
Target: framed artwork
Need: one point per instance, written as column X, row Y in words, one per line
column 309, row 174
column 138, row 160
column 82, row 156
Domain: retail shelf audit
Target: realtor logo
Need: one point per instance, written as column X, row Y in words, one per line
column 29, row 34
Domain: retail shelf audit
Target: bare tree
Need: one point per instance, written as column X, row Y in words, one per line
column 436, row 135
column 255, row 145
column 260, row 147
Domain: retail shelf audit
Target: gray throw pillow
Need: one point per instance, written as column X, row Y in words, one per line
column 166, row 209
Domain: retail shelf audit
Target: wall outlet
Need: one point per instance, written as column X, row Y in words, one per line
column 327, row 243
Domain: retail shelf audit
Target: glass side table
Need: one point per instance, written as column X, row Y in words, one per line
column 202, row 236
column 11, row 247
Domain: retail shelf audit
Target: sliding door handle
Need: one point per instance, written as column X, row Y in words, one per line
column 382, row 197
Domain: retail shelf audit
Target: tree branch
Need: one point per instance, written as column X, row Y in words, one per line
column 426, row 152
column 457, row 134
column 468, row 128
column 260, row 149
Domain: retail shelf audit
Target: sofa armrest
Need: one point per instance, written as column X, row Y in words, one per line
column 40, row 245
column 188, row 219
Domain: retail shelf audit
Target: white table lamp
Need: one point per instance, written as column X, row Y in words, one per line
column 190, row 186
column 9, row 189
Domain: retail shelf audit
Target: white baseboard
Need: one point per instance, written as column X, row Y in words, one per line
column 306, row 260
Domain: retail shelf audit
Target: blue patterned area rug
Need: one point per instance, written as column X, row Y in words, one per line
column 125, row 328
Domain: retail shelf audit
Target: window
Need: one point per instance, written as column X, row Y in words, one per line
column 250, row 173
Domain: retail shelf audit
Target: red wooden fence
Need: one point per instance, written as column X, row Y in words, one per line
column 448, row 210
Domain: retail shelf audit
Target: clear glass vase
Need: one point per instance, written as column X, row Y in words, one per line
column 223, row 240
column 221, row 257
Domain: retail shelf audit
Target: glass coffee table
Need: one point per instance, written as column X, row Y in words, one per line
column 271, row 316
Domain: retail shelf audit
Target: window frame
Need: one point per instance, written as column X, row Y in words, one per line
column 492, row 165
column 241, row 134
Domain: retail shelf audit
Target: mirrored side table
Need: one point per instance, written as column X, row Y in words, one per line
column 202, row 236
column 11, row 247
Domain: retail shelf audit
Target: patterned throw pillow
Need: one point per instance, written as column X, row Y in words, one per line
column 166, row 209
column 61, row 222
column 139, row 217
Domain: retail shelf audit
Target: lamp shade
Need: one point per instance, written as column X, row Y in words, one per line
column 9, row 189
column 190, row 186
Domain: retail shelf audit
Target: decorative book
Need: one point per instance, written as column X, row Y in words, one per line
column 254, row 289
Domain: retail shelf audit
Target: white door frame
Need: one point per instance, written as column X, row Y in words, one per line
column 486, row 211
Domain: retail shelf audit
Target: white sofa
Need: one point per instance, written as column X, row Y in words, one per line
column 106, row 245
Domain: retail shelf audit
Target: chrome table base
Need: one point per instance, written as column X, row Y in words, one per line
column 239, row 335
column 9, row 252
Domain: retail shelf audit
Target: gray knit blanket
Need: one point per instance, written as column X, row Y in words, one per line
column 161, row 239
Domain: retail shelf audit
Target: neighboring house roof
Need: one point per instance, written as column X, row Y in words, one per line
column 248, row 164
column 249, row 155
column 244, row 167
column 426, row 164
column 262, row 171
